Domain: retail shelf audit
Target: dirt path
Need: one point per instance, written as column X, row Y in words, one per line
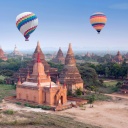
column 118, row 95
column 104, row 114
column 112, row 114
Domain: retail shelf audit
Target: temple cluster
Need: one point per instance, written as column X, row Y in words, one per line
column 36, row 83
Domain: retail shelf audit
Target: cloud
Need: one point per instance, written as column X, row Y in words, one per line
column 122, row 6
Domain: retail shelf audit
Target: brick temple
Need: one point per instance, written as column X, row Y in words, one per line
column 70, row 74
column 59, row 57
column 16, row 52
column 39, row 88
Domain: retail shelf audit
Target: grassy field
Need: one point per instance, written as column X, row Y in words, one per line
column 6, row 90
column 38, row 120
column 109, row 86
column 111, row 83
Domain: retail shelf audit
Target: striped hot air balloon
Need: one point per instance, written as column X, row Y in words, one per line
column 98, row 21
column 26, row 23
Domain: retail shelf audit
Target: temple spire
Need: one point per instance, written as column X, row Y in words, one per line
column 38, row 46
column 38, row 50
column 57, row 81
column 70, row 59
column 64, row 85
column 19, row 81
column 70, row 51
column 28, row 75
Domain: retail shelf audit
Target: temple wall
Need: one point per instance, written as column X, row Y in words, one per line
column 79, row 85
column 43, row 96
column 52, row 98
column 27, row 94
column 73, row 87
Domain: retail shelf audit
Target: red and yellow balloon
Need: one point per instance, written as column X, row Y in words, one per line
column 98, row 21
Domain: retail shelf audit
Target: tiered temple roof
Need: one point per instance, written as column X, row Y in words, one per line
column 38, row 74
column 59, row 57
column 24, row 71
column 70, row 74
column 42, row 57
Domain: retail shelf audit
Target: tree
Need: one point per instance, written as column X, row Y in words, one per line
column 58, row 66
column 89, row 75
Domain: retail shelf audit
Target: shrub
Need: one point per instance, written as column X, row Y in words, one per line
column 27, row 105
column 9, row 112
column 1, row 81
column 38, row 106
column 78, row 91
column 18, row 103
column 46, row 107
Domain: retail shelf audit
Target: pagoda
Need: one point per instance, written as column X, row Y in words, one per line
column 118, row 58
column 59, row 57
column 16, row 52
column 39, row 88
column 70, row 74
column 2, row 56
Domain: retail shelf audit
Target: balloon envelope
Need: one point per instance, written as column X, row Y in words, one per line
column 98, row 21
column 26, row 23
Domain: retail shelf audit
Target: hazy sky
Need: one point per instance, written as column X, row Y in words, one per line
column 65, row 21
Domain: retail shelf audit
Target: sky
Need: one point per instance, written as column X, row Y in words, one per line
column 66, row 21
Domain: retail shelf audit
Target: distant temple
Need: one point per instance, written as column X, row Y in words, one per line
column 88, row 55
column 2, row 55
column 16, row 52
column 70, row 74
column 59, row 57
column 38, row 87
column 118, row 58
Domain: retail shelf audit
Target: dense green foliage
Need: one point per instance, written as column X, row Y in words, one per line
column 88, row 74
column 113, row 70
column 7, row 68
column 58, row 66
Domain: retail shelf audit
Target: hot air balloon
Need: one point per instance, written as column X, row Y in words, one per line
column 26, row 23
column 98, row 21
